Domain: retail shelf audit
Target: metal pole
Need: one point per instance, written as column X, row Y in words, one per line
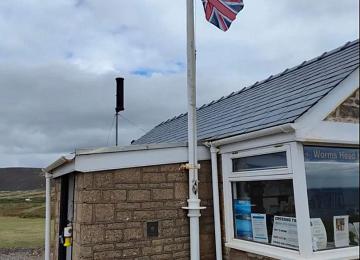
column 47, row 216
column 193, row 201
column 117, row 128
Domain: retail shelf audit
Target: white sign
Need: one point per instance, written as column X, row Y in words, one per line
column 285, row 232
column 259, row 228
column 319, row 236
column 354, row 232
column 341, row 231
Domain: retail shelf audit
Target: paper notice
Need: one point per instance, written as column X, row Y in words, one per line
column 341, row 231
column 259, row 228
column 319, row 236
column 285, row 232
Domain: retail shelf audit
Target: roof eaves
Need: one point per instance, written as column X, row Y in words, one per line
column 134, row 147
column 60, row 162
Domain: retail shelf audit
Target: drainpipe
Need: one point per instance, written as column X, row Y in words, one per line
column 215, row 187
column 47, row 215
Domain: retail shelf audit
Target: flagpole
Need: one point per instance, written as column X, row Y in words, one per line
column 193, row 201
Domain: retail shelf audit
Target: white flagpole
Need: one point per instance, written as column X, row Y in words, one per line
column 193, row 201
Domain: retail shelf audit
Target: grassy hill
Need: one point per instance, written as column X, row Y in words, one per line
column 22, row 219
column 22, row 208
column 21, row 179
column 24, row 204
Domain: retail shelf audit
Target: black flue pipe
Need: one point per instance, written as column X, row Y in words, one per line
column 119, row 103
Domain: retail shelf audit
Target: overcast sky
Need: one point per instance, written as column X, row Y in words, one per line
column 59, row 60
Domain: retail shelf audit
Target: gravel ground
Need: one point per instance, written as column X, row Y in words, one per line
column 22, row 254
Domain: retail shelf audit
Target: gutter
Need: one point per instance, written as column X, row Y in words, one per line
column 213, row 145
column 59, row 162
column 286, row 128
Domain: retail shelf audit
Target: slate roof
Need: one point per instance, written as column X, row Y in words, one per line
column 278, row 100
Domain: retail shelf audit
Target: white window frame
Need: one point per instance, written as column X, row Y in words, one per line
column 265, row 172
column 294, row 171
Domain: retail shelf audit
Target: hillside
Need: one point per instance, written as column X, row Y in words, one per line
column 14, row 179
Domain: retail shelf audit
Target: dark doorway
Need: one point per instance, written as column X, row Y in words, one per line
column 66, row 213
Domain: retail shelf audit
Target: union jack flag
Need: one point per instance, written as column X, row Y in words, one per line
column 222, row 13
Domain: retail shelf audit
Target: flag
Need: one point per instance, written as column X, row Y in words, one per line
column 222, row 13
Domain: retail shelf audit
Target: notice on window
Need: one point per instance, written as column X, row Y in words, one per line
column 285, row 232
column 354, row 232
column 259, row 228
column 341, row 231
column 319, row 237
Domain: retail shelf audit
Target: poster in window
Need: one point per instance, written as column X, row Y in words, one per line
column 354, row 233
column 341, row 231
column 242, row 210
column 319, row 236
column 285, row 232
column 259, row 228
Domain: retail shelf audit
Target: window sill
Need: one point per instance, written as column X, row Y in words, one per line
column 286, row 254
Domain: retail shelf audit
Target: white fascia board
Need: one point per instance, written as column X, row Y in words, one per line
column 64, row 169
column 329, row 132
column 261, row 141
column 282, row 133
column 136, row 158
column 91, row 160
column 116, row 149
column 59, row 162
column 330, row 102
column 63, row 165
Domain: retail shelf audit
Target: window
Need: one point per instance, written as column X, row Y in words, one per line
column 261, row 198
column 260, row 162
column 332, row 176
column 258, row 205
column 291, row 200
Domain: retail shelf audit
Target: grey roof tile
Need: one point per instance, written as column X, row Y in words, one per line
column 277, row 100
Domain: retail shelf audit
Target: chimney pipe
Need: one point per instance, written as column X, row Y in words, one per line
column 119, row 95
column 119, row 104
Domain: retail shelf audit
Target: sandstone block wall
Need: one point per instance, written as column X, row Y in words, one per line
column 348, row 111
column 112, row 209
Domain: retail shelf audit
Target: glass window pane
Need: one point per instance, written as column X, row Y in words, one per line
column 260, row 162
column 264, row 212
column 332, row 176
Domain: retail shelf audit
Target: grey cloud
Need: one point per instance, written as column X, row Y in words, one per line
column 58, row 61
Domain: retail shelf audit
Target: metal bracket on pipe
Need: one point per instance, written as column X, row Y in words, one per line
column 194, row 208
column 189, row 166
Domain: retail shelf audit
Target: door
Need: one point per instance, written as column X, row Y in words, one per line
column 66, row 214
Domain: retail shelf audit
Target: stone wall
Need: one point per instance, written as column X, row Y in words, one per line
column 348, row 111
column 112, row 209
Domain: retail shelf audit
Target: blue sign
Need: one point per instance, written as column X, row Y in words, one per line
column 316, row 154
column 242, row 212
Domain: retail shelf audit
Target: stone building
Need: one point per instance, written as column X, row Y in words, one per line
column 287, row 162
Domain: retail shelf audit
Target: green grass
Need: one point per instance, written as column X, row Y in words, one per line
column 14, row 204
column 22, row 219
column 18, row 232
